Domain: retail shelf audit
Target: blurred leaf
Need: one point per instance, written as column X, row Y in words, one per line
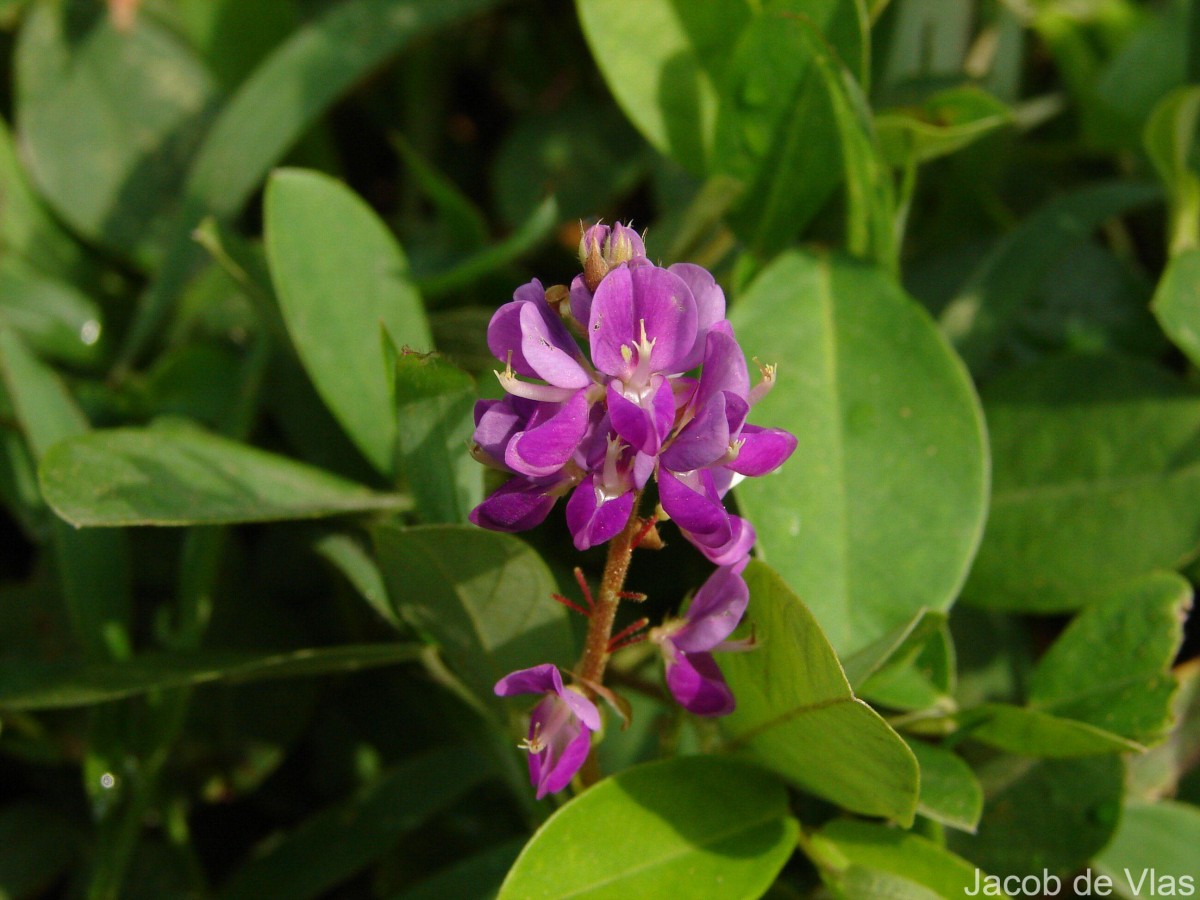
column 891, row 445
column 1153, row 851
column 350, row 558
column 234, row 36
column 109, row 120
column 843, row 843
column 924, row 681
column 942, row 124
column 991, row 300
column 93, row 568
column 185, row 476
column 333, row 845
column 434, row 409
column 533, row 231
column 663, row 66
column 53, row 318
column 1177, row 301
column 477, row 877
column 1030, row 732
column 1111, row 667
column 1053, row 814
column 950, row 792
column 1155, row 774
column 274, row 107
column 1095, row 481
column 797, row 716
column 39, row 845
column 857, row 881
column 1170, row 140
column 27, row 230
column 464, row 223
column 687, row 822
column 928, row 39
column 485, row 603
column 895, row 648
column 38, row 685
column 335, row 287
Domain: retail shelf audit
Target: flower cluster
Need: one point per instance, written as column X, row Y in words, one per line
column 656, row 387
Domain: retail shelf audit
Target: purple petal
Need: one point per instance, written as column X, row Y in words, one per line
column 583, row 708
column 517, row 505
column 643, row 425
column 664, row 303
column 724, row 365
column 692, row 508
column 593, row 522
column 496, row 421
column 710, row 307
column 715, row 612
column 703, row 441
column 726, row 551
column 610, row 321
column 544, row 449
column 643, row 468
column 581, row 301
column 763, row 450
column 548, row 348
column 552, row 769
column 698, row 685
column 541, row 679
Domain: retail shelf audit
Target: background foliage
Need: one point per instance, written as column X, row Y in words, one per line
column 247, row 640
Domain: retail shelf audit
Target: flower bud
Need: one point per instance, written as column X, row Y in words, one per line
column 602, row 249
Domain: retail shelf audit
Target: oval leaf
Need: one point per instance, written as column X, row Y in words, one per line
column 879, row 511
column 719, row 827
column 335, row 287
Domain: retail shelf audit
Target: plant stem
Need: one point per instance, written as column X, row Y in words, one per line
column 600, row 623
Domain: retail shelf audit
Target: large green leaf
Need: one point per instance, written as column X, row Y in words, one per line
column 331, row 846
column 53, row 317
column 483, row 598
column 797, row 715
column 689, row 826
column 1112, row 665
column 335, row 287
column 879, row 511
column 1096, row 480
column 185, row 476
column 950, row 792
column 941, row 124
column 1170, row 140
column 843, row 843
column 1031, row 732
column 109, row 120
column 34, row 685
column 1054, row 814
column 1177, row 301
column 1153, row 851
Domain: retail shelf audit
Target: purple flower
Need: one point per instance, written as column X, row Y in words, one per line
column 687, row 643
column 560, row 726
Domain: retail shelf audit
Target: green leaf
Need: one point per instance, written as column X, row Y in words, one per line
column 1030, row 732
column 435, row 404
column 53, row 317
column 950, row 792
column 463, row 221
column 986, row 307
column 271, row 111
column 1053, row 814
column 1177, row 302
column 1170, row 140
column 335, row 287
column 184, row 476
column 477, row 877
column 896, row 648
column 38, row 685
column 1156, row 774
column 843, row 843
column 1095, row 481
column 663, row 66
column 109, row 120
column 482, row 597
column 797, row 716
column 924, row 682
column 879, row 511
column 660, row 827
column 1111, row 667
column 334, row 844
column 942, row 124
column 351, row 558
column 1154, row 849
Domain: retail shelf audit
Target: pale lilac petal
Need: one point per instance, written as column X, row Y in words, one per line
column 592, row 522
column 726, row 550
column 715, row 611
column 643, row 468
column 583, row 708
column 611, row 323
column 698, row 685
column 541, row 679
column 763, row 450
column 517, row 505
column 544, row 449
column 710, row 307
column 548, row 349
column 553, row 769
column 703, row 441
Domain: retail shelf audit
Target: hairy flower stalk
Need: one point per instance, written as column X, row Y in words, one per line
column 659, row 391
